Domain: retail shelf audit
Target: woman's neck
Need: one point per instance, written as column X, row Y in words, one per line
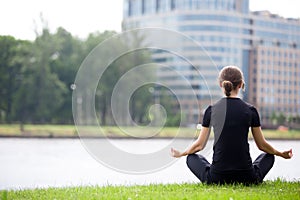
column 234, row 94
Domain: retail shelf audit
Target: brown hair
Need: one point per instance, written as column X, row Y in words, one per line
column 230, row 77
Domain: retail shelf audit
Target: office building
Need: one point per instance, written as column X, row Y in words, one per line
column 265, row 46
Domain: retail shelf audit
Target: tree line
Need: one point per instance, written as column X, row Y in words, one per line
column 36, row 78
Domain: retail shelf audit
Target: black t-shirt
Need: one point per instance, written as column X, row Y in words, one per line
column 231, row 119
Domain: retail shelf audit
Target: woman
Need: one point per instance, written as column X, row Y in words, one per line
column 231, row 118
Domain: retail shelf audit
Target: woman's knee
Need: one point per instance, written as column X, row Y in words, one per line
column 266, row 157
column 199, row 166
column 196, row 160
column 270, row 157
column 190, row 159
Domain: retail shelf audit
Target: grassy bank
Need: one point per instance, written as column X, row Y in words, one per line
column 269, row 190
column 70, row 131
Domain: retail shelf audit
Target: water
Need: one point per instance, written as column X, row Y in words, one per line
column 39, row 163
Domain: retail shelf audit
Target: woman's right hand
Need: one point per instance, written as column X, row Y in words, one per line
column 287, row 154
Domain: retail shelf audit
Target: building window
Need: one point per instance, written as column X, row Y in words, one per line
column 262, row 100
column 129, row 7
column 173, row 5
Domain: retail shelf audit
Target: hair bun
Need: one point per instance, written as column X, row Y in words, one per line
column 228, row 86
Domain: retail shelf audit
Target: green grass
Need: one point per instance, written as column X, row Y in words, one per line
column 37, row 130
column 268, row 190
column 71, row 131
column 111, row 131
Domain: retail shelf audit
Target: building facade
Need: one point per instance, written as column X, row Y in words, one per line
column 264, row 45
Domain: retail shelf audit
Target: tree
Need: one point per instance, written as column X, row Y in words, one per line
column 278, row 118
column 41, row 92
column 10, row 68
column 139, row 100
column 65, row 64
column 105, row 84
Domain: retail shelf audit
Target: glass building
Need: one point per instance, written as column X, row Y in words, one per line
column 230, row 35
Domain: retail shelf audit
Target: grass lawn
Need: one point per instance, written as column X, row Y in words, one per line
column 70, row 131
column 268, row 190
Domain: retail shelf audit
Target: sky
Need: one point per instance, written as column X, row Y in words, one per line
column 20, row 18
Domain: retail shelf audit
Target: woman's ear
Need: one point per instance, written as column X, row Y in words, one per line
column 243, row 86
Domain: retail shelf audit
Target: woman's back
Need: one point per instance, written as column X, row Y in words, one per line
column 231, row 119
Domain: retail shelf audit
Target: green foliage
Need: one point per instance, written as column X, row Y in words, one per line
column 11, row 51
column 41, row 92
column 35, row 78
column 141, row 99
column 140, row 103
column 269, row 190
column 65, row 64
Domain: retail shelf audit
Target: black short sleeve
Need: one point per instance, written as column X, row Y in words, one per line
column 255, row 121
column 207, row 117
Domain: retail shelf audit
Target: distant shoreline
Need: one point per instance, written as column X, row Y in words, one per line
column 113, row 132
column 121, row 137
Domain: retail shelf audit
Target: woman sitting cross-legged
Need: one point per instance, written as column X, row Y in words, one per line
column 231, row 118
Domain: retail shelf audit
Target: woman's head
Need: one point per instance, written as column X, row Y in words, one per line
column 231, row 78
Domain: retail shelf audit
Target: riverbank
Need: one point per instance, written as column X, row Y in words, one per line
column 268, row 190
column 70, row 131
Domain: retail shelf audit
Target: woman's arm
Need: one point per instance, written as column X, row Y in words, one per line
column 263, row 145
column 198, row 145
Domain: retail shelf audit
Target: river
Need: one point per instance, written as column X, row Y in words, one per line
column 40, row 163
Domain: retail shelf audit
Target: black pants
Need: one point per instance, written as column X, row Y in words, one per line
column 201, row 169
